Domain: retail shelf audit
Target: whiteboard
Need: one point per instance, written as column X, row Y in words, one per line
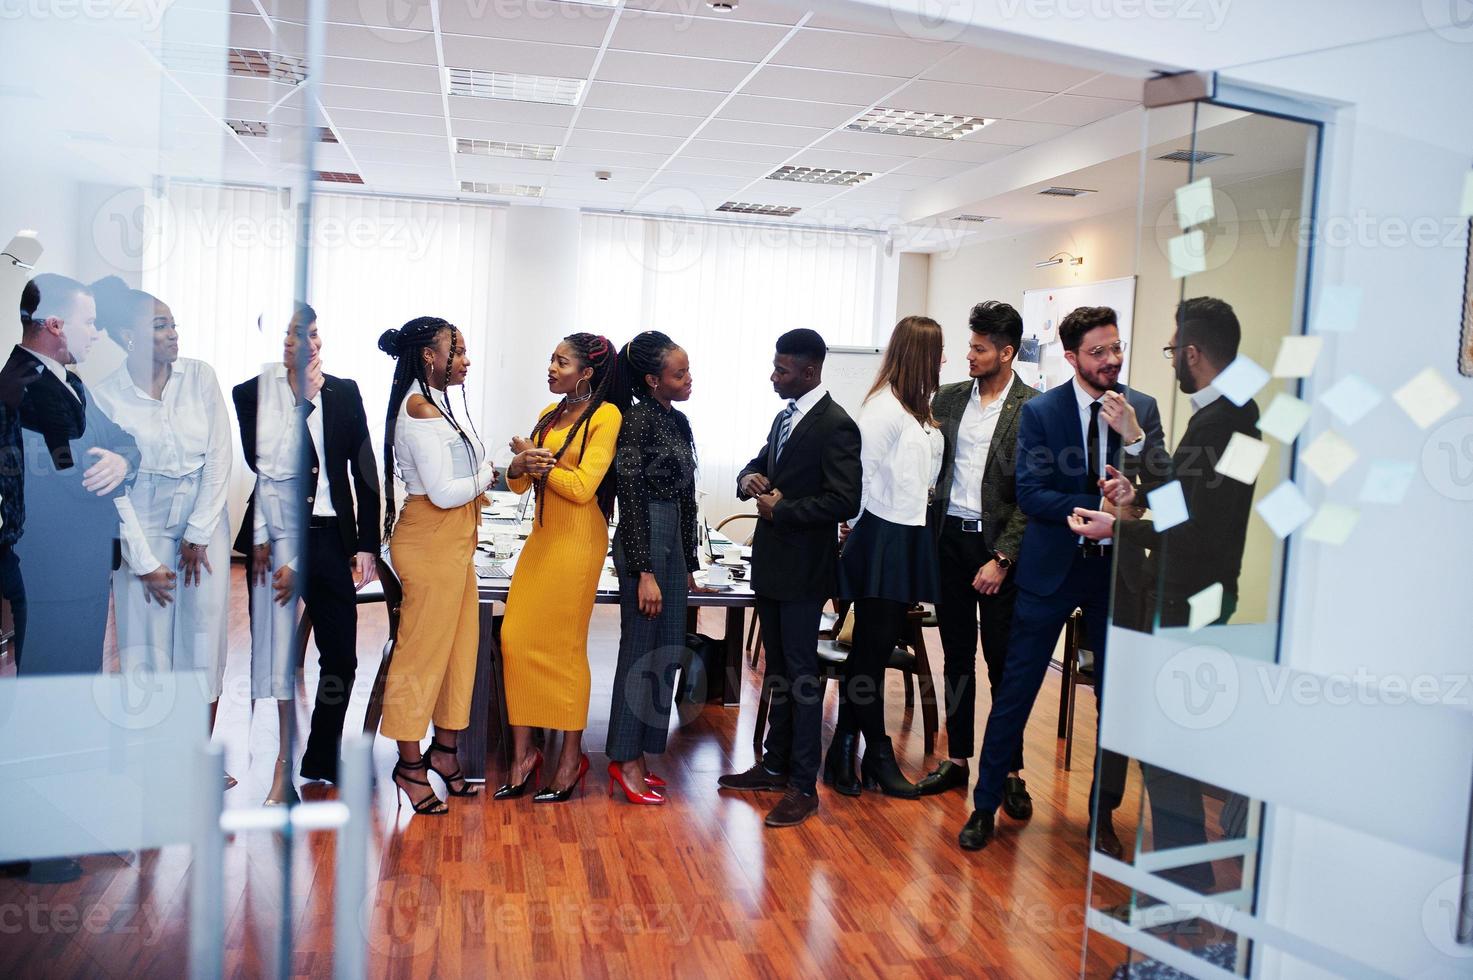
column 848, row 373
column 1041, row 361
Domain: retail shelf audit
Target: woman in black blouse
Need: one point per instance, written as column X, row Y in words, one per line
column 654, row 554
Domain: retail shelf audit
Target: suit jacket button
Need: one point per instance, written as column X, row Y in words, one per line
column 314, row 471
column 309, row 500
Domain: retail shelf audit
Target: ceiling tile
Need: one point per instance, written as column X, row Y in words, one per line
column 653, row 69
column 974, row 66
column 966, row 100
column 747, row 152
column 1074, row 110
column 368, row 44
column 788, row 112
column 972, row 151
column 505, row 110
column 763, row 11
column 935, row 168
column 602, row 159
column 881, row 143
column 503, row 170
column 702, row 167
column 474, row 129
column 412, row 16
column 846, row 160
column 695, row 36
column 528, row 20
column 737, row 131
column 357, row 139
column 336, row 97
column 1011, row 132
column 819, row 86
column 387, row 122
column 866, row 53
column 637, row 123
column 369, row 155
column 526, row 57
column 651, row 98
column 628, row 142
column 1112, row 87
column 404, row 78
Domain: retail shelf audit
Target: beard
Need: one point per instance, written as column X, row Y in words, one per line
column 1184, row 379
column 1101, row 378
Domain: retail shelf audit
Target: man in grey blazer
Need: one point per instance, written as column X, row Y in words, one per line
column 980, row 529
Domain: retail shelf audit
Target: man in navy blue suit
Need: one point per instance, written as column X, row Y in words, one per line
column 1074, row 441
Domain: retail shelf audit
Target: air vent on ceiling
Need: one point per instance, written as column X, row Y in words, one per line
column 246, row 127
column 1065, row 191
column 338, row 177
column 255, row 63
column 480, row 84
column 906, row 122
column 494, row 148
column 1192, row 156
column 978, row 218
column 326, row 135
column 772, row 210
column 501, row 190
column 815, row 175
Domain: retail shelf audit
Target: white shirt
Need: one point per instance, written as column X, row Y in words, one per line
column 1085, row 400
column 973, row 443
column 901, row 460
column 803, row 406
column 278, row 451
column 432, row 460
column 187, row 431
column 1204, row 397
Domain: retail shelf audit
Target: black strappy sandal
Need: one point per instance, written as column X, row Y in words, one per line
column 431, row 805
column 466, row 789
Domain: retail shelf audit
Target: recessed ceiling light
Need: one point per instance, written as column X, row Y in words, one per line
column 246, row 127
column 906, row 122
column 480, row 84
column 1192, row 156
column 255, row 63
column 501, row 190
column 815, row 175
column 338, row 177
column 774, row 210
column 1065, row 191
column 494, row 148
column 974, row 217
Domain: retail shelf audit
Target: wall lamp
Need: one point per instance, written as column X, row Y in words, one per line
column 1059, row 258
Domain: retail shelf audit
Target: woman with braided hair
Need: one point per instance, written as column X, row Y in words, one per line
column 446, row 474
column 567, row 462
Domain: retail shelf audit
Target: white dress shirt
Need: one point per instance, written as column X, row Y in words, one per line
column 901, row 459
column 803, row 406
column 278, row 446
column 973, row 443
column 1085, row 400
column 1204, row 397
column 432, row 459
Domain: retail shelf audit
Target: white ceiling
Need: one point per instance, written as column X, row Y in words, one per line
column 684, row 106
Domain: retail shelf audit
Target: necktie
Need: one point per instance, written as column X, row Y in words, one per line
column 1092, row 445
column 76, row 385
column 786, row 428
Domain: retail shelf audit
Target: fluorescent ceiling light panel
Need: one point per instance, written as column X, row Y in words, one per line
column 501, row 190
column 495, row 148
column 907, row 122
column 246, row 127
column 255, row 63
column 773, row 210
column 479, row 84
column 811, row 175
column 338, row 177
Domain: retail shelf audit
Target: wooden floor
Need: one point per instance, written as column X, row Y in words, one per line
column 596, row 887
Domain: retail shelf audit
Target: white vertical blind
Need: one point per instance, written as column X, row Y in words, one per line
column 725, row 293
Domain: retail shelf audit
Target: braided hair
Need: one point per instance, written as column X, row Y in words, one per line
column 591, row 351
column 404, row 345
column 646, row 354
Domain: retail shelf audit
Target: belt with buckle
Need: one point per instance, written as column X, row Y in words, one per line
column 1095, row 550
column 966, row 524
column 318, row 522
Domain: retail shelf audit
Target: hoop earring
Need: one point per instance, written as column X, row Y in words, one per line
column 577, row 399
column 130, row 345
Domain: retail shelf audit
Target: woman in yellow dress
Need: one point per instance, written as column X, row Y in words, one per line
column 544, row 638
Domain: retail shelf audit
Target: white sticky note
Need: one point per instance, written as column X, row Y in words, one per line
column 1426, row 398
column 1338, row 309
column 1351, row 399
column 1194, row 203
column 1168, row 506
column 1467, row 210
column 1332, row 524
column 1387, row 481
column 1329, row 456
column 1205, row 606
column 1188, row 254
column 1243, row 458
column 1297, row 356
column 1285, row 418
column 1284, row 509
column 1240, row 380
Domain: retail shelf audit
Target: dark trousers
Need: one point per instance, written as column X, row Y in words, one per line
column 1037, row 621
column 961, row 611
column 13, row 589
column 878, row 624
column 795, row 718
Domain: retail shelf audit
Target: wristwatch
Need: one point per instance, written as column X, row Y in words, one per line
column 1003, row 561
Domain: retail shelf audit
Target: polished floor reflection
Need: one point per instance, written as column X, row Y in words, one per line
column 596, row 887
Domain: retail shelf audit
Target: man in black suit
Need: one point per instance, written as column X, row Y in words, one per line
column 980, row 528
column 1070, row 441
column 343, row 536
column 806, row 480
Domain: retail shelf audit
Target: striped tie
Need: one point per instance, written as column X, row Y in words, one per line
column 787, row 427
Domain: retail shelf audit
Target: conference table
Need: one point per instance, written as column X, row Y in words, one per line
column 505, row 524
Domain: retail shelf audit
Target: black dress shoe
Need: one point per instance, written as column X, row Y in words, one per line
column 794, row 808
column 838, row 764
column 1105, row 840
column 946, row 776
column 53, row 871
column 315, row 773
column 879, row 770
column 1016, row 802
column 977, row 834
column 759, row 777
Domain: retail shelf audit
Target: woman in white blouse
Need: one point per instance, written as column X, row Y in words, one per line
column 889, row 558
column 177, row 529
column 446, row 473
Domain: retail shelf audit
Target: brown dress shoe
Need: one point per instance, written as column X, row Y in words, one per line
column 794, row 808
column 1105, row 840
column 759, row 777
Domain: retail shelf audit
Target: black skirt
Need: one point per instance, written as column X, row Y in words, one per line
column 883, row 560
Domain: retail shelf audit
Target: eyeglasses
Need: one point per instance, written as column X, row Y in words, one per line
column 1116, row 348
column 1170, row 352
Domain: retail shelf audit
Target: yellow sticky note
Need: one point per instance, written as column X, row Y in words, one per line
column 1426, row 398
column 1194, row 204
column 1297, row 356
column 1205, row 606
column 1243, row 458
column 1329, row 456
column 1332, row 524
column 1285, row 418
column 1188, row 254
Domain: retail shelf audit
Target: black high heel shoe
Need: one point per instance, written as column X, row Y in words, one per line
column 511, row 791
column 431, row 805
column 466, row 789
column 838, row 765
column 550, row 795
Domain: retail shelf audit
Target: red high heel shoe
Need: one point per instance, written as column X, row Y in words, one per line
column 616, row 778
column 650, row 779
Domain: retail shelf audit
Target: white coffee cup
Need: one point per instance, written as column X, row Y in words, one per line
column 718, row 575
column 732, row 554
